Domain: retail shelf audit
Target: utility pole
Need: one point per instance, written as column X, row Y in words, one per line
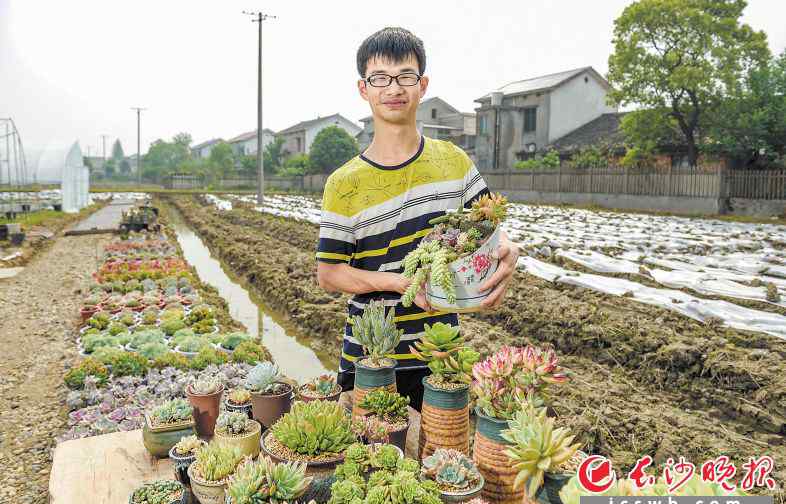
column 103, row 140
column 138, row 155
column 260, row 164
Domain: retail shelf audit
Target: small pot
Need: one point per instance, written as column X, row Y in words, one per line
column 444, row 420
column 183, row 499
column 553, row 483
column 466, row 496
column 399, row 438
column 88, row 311
column 207, row 492
column 205, row 410
column 268, row 408
column 238, row 408
column 312, row 468
column 368, row 379
column 159, row 440
column 331, row 397
column 248, row 443
column 181, row 464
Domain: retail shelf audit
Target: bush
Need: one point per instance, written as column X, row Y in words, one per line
column 550, row 160
column 249, row 352
column 75, row 378
column 170, row 359
column 207, row 356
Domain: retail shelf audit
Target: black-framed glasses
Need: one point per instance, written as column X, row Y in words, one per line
column 384, row 80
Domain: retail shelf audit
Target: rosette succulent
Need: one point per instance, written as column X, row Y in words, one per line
column 234, row 423
column 174, row 411
column 451, row 469
column 315, row 428
column 376, row 332
column 264, row 481
column 443, row 348
column 263, row 379
column 188, row 445
column 216, row 461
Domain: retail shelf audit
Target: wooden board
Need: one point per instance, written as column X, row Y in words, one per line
column 103, row 469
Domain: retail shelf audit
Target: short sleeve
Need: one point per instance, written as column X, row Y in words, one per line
column 474, row 185
column 336, row 232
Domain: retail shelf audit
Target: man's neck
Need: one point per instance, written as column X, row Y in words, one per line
column 393, row 144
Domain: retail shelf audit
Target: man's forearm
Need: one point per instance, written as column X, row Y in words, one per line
column 345, row 278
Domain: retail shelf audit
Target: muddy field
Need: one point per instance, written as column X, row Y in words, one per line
column 646, row 380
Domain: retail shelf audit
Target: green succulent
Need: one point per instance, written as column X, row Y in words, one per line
column 385, row 456
column 232, row 340
column 346, row 492
column 315, row 428
column 75, row 378
column 138, row 339
column 153, row 350
column 349, row 471
column 249, row 352
column 127, row 319
column 266, row 482
column 172, row 325
column 389, row 406
column 381, row 477
column 99, row 320
column 408, row 465
column 94, row 341
column 207, row 356
column 129, row 364
column 116, row 328
column 105, row 355
column 188, row 445
column 358, row 453
column 191, row 344
column 451, row 469
column 263, row 377
column 234, row 423
column 322, row 386
column 376, row 332
column 158, row 492
column 216, row 461
column 171, row 359
column 176, row 410
column 443, row 348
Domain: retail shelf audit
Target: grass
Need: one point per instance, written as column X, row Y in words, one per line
column 37, row 218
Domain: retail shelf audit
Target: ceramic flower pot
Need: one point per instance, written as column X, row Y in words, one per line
column 248, row 443
column 493, row 464
column 267, row 408
column 444, row 420
column 207, row 492
column 369, row 379
column 205, row 410
column 159, row 440
column 469, row 272
column 246, row 409
column 181, row 464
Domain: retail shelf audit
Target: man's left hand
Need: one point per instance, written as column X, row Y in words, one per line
column 508, row 255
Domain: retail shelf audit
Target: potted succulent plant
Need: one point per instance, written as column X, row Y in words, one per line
column 204, row 393
column 165, row 425
column 189, row 346
column 100, row 320
column 391, row 410
column 503, row 382
column 379, row 337
column 323, row 387
column 239, row 401
column 454, row 259
column 445, row 410
column 209, row 474
column 238, row 430
column 270, row 398
column 456, row 475
column 316, row 432
column 159, row 492
column 183, row 455
column 231, row 341
column 373, row 457
column 267, row 481
column 90, row 306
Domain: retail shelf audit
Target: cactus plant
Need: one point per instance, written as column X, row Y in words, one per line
column 377, row 333
column 176, row 410
column 536, row 446
column 268, row 482
column 315, row 428
column 451, row 469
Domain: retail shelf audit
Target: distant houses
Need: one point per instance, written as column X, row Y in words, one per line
column 299, row 137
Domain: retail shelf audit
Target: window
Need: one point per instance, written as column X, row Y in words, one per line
column 433, row 113
column 482, row 126
column 530, row 119
column 298, row 144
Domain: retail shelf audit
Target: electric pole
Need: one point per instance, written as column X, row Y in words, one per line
column 260, row 164
column 138, row 155
column 103, row 140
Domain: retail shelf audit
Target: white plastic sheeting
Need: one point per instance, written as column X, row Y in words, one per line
column 600, row 262
column 75, row 181
column 707, row 283
column 732, row 315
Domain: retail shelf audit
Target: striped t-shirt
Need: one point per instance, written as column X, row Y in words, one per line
column 373, row 215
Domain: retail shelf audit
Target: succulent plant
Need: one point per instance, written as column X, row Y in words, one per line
column 429, row 259
column 240, row 396
column 191, row 344
column 267, row 482
column 322, row 386
column 372, row 428
column 153, row 350
column 75, row 378
column 150, row 336
column 512, row 375
column 176, row 410
column 451, row 469
column 384, row 456
column 170, row 359
column 262, row 378
column 172, row 325
column 346, row 491
column 358, row 454
column 536, row 446
column 158, row 492
column 99, row 320
column 314, row 428
column 232, row 340
column 208, row 356
column 249, row 352
column 443, row 348
column 188, row 445
column 93, row 341
column 390, row 407
column 376, row 332
column 234, row 423
column 129, row 364
column 489, row 207
column 116, row 328
column 216, row 461
column 205, row 384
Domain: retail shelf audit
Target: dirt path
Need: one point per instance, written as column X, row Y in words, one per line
column 647, row 381
column 38, row 311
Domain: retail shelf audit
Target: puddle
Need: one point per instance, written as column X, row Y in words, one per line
column 289, row 350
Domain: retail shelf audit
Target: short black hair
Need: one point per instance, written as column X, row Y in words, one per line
column 391, row 43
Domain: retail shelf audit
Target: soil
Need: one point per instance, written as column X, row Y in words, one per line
column 38, row 311
column 644, row 380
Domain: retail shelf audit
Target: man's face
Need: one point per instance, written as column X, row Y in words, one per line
column 395, row 103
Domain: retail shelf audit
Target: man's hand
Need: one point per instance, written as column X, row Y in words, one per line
column 508, row 255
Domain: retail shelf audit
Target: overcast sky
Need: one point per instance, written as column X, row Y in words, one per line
column 71, row 70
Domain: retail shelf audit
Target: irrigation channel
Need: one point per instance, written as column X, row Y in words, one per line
column 289, row 349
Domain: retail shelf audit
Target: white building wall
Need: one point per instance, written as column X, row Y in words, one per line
column 347, row 126
column 576, row 103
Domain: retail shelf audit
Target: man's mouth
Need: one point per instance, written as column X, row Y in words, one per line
column 395, row 103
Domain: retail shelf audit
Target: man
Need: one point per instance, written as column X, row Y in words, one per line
column 376, row 207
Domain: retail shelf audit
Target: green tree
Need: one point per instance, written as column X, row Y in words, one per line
column 110, row 167
column 273, row 154
column 549, row 160
column 125, row 167
column 590, row 157
column 680, row 58
column 331, row 148
column 117, row 151
column 222, row 160
column 299, row 164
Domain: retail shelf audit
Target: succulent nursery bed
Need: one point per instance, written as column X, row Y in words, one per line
column 649, row 378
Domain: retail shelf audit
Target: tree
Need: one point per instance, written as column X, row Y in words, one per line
column 550, row 160
column 222, row 159
column 117, row 151
column 125, row 167
column 332, row 148
column 273, row 154
column 109, row 167
column 680, row 58
column 163, row 158
column 299, row 164
column 183, row 139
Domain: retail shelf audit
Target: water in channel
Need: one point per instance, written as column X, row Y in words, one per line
column 293, row 356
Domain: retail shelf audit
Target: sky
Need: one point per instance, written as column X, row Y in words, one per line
column 72, row 70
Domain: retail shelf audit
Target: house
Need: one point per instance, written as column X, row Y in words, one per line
column 435, row 118
column 245, row 144
column 203, row 149
column 299, row 137
column 536, row 112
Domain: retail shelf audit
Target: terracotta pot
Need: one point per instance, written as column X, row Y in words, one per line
column 369, row 379
column 444, row 420
column 268, row 408
column 493, row 464
column 87, row 312
column 248, row 443
column 207, row 492
column 205, row 411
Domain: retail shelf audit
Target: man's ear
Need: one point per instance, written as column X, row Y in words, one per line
column 362, row 89
column 423, row 85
